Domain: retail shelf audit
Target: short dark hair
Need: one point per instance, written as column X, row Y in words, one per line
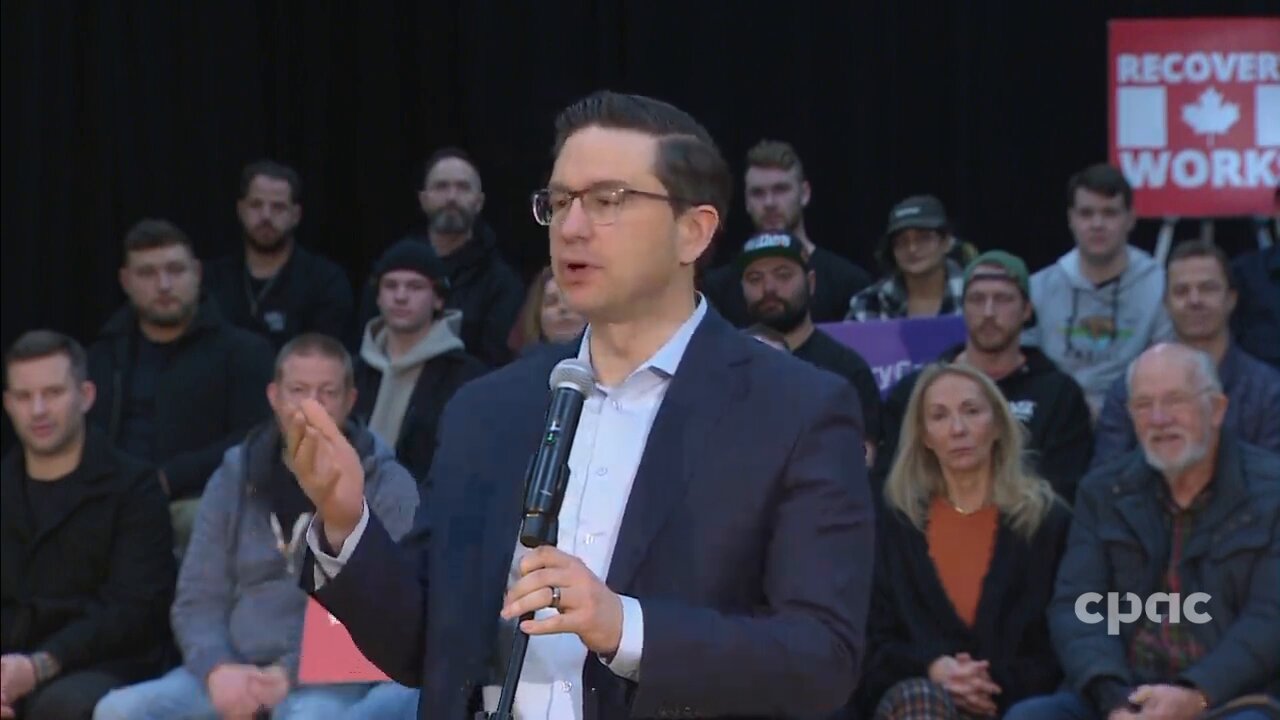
column 37, row 344
column 1201, row 248
column 152, row 233
column 447, row 153
column 275, row 171
column 688, row 163
column 1103, row 179
column 777, row 155
column 314, row 343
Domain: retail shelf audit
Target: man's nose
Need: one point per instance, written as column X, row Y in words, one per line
column 576, row 223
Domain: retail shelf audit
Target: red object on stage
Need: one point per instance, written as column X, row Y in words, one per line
column 329, row 655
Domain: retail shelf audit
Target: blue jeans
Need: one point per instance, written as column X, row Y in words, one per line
column 179, row 695
column 1066, row 705
column 1062, row 705
column 389, row 701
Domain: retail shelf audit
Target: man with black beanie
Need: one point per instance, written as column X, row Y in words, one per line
column 412, row 358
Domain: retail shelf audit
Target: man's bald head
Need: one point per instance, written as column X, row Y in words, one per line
column 1167, row 357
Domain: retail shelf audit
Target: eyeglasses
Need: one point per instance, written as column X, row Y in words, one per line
column 601, row 204
column 1175, row 402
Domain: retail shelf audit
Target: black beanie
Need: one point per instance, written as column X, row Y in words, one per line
column 413, row 255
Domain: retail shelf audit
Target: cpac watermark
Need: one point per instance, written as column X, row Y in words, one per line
column 1179, row 608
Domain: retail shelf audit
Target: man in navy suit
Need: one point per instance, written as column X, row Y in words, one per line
column 714, row 546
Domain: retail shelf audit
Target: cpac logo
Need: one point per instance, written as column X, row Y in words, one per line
column 1115, row 617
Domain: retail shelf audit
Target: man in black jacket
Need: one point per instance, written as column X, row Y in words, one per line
column 276, row 287
column 996, row 304
column 1167, row 598
column 778, row 287
column 177, row 385
column 88, row 572
column 411, row 359
column 776, row 192
column 481, row 284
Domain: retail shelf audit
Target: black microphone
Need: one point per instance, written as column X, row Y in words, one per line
column 571, row 381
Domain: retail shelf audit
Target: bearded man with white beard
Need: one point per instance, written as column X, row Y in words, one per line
column 1187, row 530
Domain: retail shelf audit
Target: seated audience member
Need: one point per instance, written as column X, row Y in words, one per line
column 777, row 191
column 239, row 607
column 1192, row 519
column 1099, row 305
column 177, row 384
column 768, row 336
column 274, row 286
column 1256, row 322
column 921, row 280
column 1199, row 296
column 545, row 317
column 967, row 549
column 88, row 568
column 412, row 360
column 481, row 284
column 1046, row 400
column 778, row 286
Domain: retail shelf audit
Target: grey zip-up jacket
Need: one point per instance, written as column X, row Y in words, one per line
column 238, row 600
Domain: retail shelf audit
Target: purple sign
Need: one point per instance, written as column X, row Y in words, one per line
column 894, row 348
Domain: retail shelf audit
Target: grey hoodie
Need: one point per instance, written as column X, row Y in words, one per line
column 1092, row 333
column 237, row 600
column 401, row 375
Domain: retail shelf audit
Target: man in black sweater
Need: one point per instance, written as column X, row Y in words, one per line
column 177, row 384
column 777, row 191
column 996, row 305
column 777, row 288
column 275, row 287
column 88, row 571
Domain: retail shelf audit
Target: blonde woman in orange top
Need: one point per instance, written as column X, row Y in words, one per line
column 967, row 551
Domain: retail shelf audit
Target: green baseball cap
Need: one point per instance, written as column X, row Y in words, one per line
column 1015, row 270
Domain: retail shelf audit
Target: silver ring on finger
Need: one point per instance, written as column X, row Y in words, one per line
column 555, row 598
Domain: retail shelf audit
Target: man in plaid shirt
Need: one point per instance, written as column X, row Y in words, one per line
column 922, row 281
column 1193, row 514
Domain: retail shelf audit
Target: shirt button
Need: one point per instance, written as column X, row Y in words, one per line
column 617, row 405
column 588, row 538
column 566, row 686
column 602, row 471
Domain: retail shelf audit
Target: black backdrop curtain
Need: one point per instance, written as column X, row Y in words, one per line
column 118, row 110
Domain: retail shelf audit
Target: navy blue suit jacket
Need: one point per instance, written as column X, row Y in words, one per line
column 747, row 539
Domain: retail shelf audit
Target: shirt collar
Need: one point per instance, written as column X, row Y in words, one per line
column 667, row 359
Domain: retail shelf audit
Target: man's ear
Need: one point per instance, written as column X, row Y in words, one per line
column 696, row 228
column 805, row 193
column 88, row 395
column 813, row 282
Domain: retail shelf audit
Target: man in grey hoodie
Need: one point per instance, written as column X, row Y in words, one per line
column 412, row 358
column 239, row 609
column 1099, row 306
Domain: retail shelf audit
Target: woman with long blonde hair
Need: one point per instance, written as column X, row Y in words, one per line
column 968, row 548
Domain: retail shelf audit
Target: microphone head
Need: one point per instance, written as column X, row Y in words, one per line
column 574, row 374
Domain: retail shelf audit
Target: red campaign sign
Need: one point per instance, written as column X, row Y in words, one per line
column 329, row 655
column 1195, row 114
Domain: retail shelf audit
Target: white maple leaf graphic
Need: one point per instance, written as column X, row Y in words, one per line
column 1209, row 115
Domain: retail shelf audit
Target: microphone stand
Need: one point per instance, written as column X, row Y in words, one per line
column 540, row 527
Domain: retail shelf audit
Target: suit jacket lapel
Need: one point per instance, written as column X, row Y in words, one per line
column 700, row 393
